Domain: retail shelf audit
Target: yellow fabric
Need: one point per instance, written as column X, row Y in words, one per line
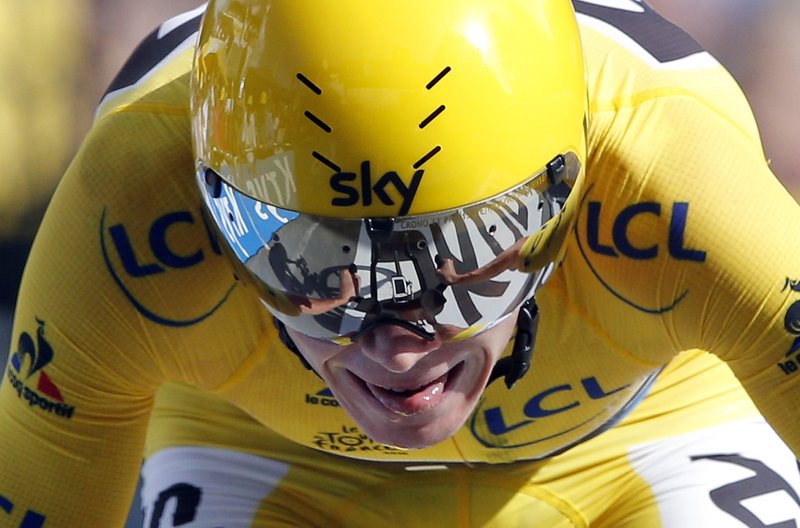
column 680, row 249
column 594, row 484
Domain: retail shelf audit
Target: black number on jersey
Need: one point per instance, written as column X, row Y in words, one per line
column 663, row 40
column 730, row 498
column 151, row 51
column 187, row 499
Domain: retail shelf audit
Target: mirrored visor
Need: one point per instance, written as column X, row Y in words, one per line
column 452, row 273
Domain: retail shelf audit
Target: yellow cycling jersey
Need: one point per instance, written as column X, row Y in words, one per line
column 680, row 257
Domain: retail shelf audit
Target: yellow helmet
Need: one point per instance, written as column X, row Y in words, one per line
column 367, row 138
column 461, row 100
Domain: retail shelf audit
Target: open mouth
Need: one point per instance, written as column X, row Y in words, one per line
column 408, row 402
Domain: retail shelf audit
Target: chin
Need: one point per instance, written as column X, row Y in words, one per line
column 413, row 437
column 417, row 431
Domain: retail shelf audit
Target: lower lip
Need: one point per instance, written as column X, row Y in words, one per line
column 411, row 403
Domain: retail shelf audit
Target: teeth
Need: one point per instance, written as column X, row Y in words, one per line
column 401, row 391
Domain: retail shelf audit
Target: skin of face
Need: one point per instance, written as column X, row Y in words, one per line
column 403, row 390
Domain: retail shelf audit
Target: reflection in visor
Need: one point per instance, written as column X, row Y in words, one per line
column 332, row 278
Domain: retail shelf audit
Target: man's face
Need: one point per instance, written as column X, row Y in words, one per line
column 403, row 390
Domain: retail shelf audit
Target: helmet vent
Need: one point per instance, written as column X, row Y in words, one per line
column 317, row 121
column 308, row 83
column 425, row 122
column 438, row 78
column 435, row 150
column 317, row 90
column 311, row 86
column 431, row 117
column 325, row 161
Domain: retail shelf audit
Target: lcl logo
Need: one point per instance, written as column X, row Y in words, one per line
column 175, row 243
column 620, row 243
column 616, row 242
column 31, row 518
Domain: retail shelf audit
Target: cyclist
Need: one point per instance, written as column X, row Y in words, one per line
column 380, row 264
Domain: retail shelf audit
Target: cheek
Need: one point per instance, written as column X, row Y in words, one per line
column 315, row 351
column 497, row 339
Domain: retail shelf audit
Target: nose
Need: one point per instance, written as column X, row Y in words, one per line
column 395, row 348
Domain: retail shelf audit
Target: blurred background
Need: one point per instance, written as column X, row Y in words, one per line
column 58, row 56
column 56, row 59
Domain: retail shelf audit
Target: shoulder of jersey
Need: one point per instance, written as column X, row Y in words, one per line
column 156, row 75
column 632, row 50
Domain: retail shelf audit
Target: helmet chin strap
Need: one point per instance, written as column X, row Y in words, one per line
column 512, row 368
column 287, row 341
